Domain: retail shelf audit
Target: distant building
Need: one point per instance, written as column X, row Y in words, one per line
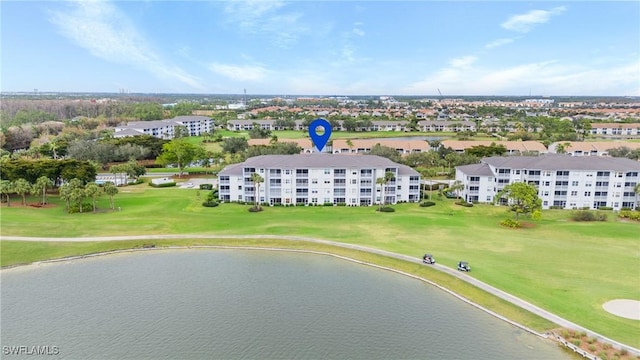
column 563, row 181
column 591, row 148
column 317, row 179
column 165, row 129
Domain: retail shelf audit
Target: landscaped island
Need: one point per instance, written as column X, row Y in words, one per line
column 566, row 267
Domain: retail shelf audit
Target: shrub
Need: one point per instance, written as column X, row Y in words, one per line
column 605, row 208
column 463, row 203
column 162, row 185
column 576, row 342
column 585, row 215
column 427, row 203
column 255, row 209
column 206, row 186
column 629, row 214
column 210, row 203
column 591, row 340
column 514, row 224
column 386, row 209
column 342, row 204
column 327, row 204
column 592, row 348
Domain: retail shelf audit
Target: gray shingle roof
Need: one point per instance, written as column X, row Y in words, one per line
column 564, row 162
column 476, row 169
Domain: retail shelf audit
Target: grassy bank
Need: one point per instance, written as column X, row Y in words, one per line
column 28, row 252
column 565, row 267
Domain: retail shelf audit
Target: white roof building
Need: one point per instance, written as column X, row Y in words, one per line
column 319, row 179
column 563, row 181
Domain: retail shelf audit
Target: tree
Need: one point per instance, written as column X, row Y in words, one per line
column 40, row 187
column 486, row 151
column 521, row 197
column 386, row 152
column 257, row 180
column 179, row 152
column 111, row 190
column 636, row 189
column 350, row 145
column 92, row 191
column 380, row 181
column 455, row 188
column 6, row 188
column 234, row 145
column 22, row 187
column 384, row 181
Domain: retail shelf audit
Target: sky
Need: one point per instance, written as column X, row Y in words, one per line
column 490, row 48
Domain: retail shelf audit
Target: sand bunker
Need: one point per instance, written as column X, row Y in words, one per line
column 629, row 309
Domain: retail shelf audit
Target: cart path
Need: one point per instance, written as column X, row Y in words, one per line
column 418, row 259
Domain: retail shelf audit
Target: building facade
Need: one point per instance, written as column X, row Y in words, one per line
column 563, row 181
column 165, row 129
column 318, row 179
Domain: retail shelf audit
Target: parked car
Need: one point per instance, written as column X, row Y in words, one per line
column 428, row 259
column 464, row 266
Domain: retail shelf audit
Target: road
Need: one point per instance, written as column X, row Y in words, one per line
column 453, row 272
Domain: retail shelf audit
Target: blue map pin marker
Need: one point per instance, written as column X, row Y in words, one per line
column 319, row 140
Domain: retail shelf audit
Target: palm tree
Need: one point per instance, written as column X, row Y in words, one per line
column 636, row 189
column 110, row 189
column 350, row 144
column 456, row 187
column 6, row 188
column 22, row 187
column 40, row 187
column 257, row 179
column 384, row 181
column 380, row 181
column 93, row 191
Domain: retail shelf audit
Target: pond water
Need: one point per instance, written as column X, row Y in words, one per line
column 246, row 304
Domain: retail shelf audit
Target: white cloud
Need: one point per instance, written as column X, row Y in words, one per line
column 463, row 62
column 499, row 42
column 107, row 33
column 546, row 77
column 263, row 17
column 525, row 22
column 242, row 73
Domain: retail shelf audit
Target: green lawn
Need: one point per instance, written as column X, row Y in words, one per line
column 566, row 267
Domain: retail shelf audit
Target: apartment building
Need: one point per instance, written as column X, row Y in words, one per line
column 318, row 179
column 630, row 130
column 165, row 129
column 591, row 148
column 563, row 181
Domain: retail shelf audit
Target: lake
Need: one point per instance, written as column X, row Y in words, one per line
column 246, row 304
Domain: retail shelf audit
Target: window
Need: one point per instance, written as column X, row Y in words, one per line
column 587, row 193
column 574, row 193
column 327, row 171
column 517, row 172
column 314, row 181
column 354, row 181
column 546, row 183
column 562, row 173
column 575, row 183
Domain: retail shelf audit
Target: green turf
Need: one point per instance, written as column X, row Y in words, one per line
column 568, row 268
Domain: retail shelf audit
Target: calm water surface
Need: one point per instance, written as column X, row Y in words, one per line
column 238, row 304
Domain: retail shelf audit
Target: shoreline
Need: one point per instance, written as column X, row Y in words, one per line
column 314, row 252
column 561, row 322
